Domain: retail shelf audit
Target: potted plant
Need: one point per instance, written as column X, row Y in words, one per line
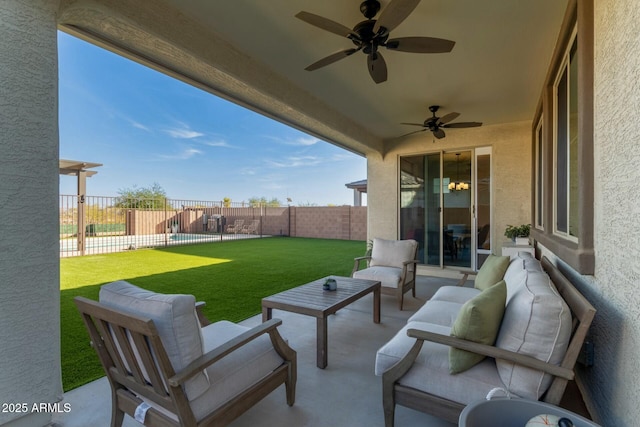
column 518, row 233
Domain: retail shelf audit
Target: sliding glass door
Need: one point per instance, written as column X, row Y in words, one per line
column 438, row 206
column 456, row 210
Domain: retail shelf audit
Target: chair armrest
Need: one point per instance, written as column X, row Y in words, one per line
column 465, row 276
column 405, row 269
column 204, row 321
column 196, row 366
column 356, row 263
column 493, row 352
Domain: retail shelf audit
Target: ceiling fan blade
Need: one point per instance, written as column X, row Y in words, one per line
column 377, row 67
column 439, row 133
column 326, row 24
column 331, row 59
column 420, row 45
column 460, row 125
column 413, row 124
column 411, row 133
column 393, row 15
column 448, row 117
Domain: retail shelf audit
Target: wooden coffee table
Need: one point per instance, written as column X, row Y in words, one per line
column 312, row 300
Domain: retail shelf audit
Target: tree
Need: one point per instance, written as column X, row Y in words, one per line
column 255, row 202
column 153, row 197
column 226, row 202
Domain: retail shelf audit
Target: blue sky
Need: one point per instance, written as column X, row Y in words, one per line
column 145, row 127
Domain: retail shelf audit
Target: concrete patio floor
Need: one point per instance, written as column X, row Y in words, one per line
column 346, row 393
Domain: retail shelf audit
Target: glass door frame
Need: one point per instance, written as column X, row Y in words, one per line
column 473, row 214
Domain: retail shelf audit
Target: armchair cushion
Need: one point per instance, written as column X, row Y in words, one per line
column 388, row 276
column 237, row 371
column 491, row 272
column 175, row 318
column 392, row 253
column 478, row 321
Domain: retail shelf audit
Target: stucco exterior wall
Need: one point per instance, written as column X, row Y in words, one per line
column 29, row 266
column 611, row 385
column 511, row 169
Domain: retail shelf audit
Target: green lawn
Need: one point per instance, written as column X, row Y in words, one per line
column 231, row 277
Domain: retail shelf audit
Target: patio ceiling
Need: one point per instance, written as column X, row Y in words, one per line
column 254, row 52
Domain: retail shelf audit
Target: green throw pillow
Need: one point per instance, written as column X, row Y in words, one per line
column 479, row 320
column 491, row 272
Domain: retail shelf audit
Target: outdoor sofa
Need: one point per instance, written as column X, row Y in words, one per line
column 528, row 320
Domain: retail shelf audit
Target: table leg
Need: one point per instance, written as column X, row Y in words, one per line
column 321, row 342
column 266, row 313
column 376, row 306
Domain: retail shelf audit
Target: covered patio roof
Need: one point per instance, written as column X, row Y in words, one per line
column 255, row 53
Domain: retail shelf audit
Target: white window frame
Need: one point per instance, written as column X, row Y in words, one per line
column 540, row 167
column 564, row 68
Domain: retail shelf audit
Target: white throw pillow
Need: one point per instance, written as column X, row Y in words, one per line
column 537, row 323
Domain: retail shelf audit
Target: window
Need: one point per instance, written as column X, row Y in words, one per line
column 562, row 142
column 566, row 147
column 539, row 172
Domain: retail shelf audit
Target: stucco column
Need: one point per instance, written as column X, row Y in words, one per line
column 29, row 259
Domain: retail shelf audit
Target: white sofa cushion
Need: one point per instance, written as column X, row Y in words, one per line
column 175, row 319
column 392, row 253
column 457, row 294
column 537, row 323
column 237, row 371
column 430, row 371
column 388, row 276
column 442, row 313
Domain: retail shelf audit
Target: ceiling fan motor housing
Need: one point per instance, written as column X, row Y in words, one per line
column 370, row 8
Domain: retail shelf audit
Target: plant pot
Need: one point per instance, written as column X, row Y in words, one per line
column 522, row 241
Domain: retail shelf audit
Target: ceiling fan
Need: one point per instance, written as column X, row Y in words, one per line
column 370, row 35
column 435, row 124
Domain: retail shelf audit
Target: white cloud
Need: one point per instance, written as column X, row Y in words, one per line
column 295, row 162
column 186, row 154
column 303, row 141
column 183, row 133
column 248, row 171
column 218, row 143
column 306, row 141
column 139, row 125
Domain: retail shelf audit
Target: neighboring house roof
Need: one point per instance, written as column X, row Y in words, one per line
column 358, row 185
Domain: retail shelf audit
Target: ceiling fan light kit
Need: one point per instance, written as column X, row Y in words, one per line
column 370, row 35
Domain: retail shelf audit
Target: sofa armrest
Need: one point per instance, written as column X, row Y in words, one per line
column 356, row 263
column 493, row 352
column 268, row 327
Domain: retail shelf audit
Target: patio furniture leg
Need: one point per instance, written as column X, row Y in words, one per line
column 117, row 415
column 266, row 313
column 321, row 342
column 376, row 306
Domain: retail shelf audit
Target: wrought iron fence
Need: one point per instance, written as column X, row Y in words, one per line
column 93, row 225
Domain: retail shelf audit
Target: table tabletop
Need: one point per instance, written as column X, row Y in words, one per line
column 312, row 300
